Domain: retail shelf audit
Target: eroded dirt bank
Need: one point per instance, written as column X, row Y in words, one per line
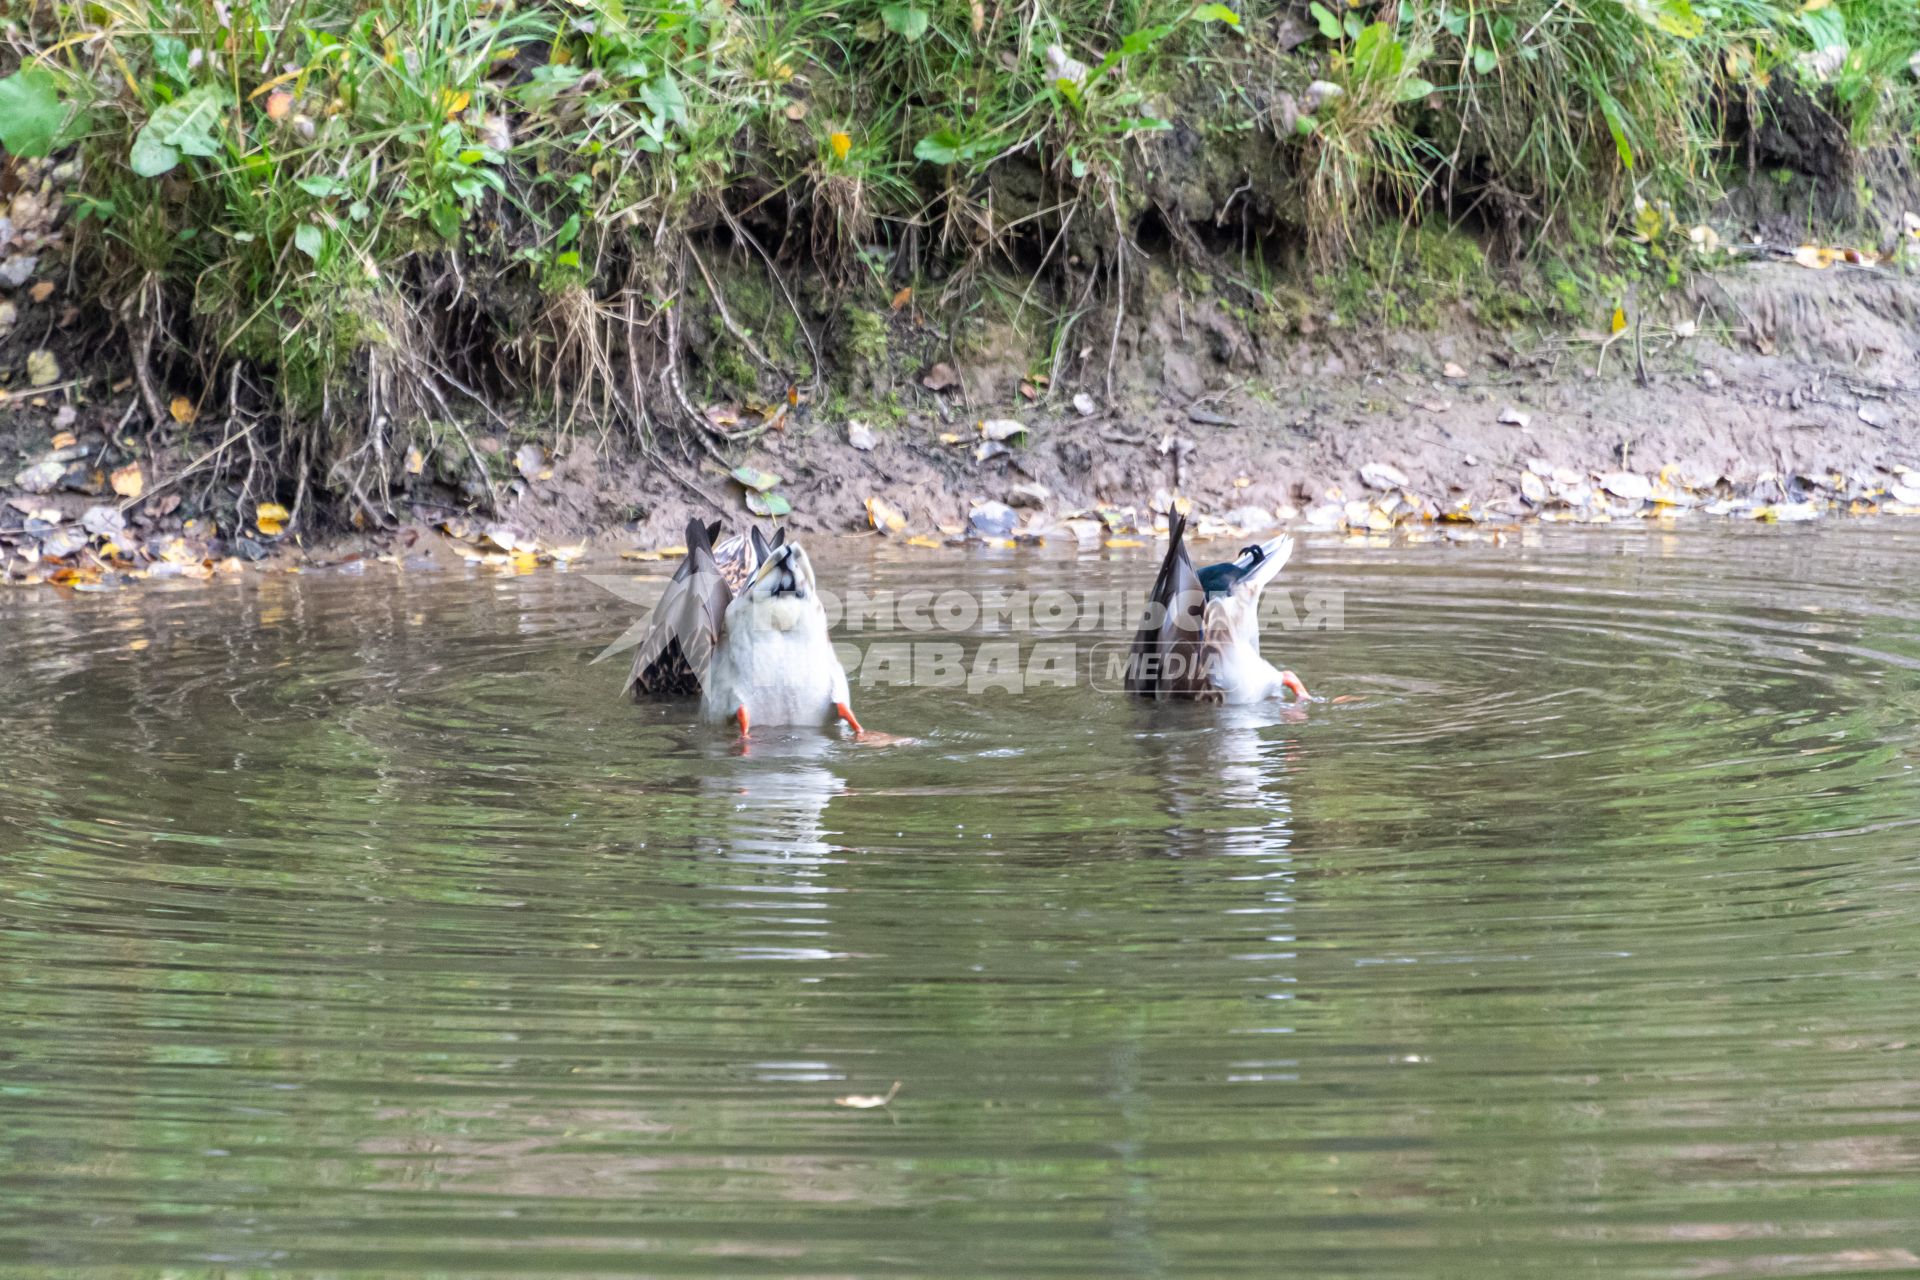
column 1772, row 392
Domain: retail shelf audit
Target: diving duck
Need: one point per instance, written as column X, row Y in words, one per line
column 1200, row 640
column 742, row 626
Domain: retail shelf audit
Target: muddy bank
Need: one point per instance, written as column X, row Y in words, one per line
column 1772, row 392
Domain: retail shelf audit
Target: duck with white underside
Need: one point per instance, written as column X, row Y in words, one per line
column 1200, row 640
column 742, row 626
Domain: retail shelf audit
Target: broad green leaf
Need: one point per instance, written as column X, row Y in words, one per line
column 754, row 478
column 321, row 186
column 1485, row 60
column 309, row 239
column 1324, row 19
column 943, row 147
column 151, row 157
column 1414, row 87
column 31, row 113
column 905, row 20
column 1215, row 13
column 1135, row 43
column 1675, row 17
column 188, row 125
column 768, row 504
column 1616, row 125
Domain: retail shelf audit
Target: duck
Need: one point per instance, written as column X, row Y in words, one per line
column 742, row 627
column 1200, row 639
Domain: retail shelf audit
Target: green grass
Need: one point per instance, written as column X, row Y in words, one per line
column 369, row 205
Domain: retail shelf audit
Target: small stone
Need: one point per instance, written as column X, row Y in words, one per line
column 1379, row 475
column 1512, row 417
column 1084, row 405
column 1627, row 484
column 1031, row 494
column 1710, row 380
column 861, row 436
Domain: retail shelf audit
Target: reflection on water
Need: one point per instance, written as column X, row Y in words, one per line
column 352, row 924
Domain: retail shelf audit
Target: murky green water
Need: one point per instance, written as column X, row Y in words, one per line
column 352, row 924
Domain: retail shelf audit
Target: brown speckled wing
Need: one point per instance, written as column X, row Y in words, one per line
column 686, row 623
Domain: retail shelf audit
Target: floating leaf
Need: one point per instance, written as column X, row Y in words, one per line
column 768, row 504
column 922, row 540
column 270, row 518
column 754, row 478
column 868, row 1101
column 182, row 410
column 129, row 481
column 884, row 516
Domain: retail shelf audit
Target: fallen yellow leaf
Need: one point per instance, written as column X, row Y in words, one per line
column 416, row 461
column 922, row 540
column 903, row 297
column 65, row 440
column 1125, row 542
column 128, row 481
column 841, row 145
column 884, row 516
column 1619, row 320
column 270, row 518
column 42, row 291
column 452, row 103
column 182, row 410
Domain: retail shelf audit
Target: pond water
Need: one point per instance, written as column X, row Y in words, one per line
column 352, row 924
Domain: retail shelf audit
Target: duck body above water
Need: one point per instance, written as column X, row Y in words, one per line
column 742, row 626
column 1200, row 640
